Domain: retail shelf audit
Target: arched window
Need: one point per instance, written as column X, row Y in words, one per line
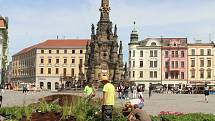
column 41, row 85
column 153, row 44
column 49, row 85
column 56, row 85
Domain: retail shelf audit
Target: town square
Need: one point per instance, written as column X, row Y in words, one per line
column 107, row 60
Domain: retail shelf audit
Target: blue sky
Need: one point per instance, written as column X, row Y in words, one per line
column 33, row 21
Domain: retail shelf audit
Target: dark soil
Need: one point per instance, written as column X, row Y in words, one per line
column 48, row 117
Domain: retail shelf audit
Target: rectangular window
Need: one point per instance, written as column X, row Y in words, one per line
column 208, row 51
column 202, row 74
column 209, row 74
column 173, row 54
column 176, row 64
column 182, row 54
column 65, row 51
column 155, row 74
column 176, row 53
column 193, row 74
column 50, row 51
column 141, row 63
column 201, row 51
column 151, row 74
column 42, row 60
column 57, row 51
column 73, row 51
column 166, row 75
column 42, row 51
column 182, row 64
column 172, row 75
column 81, row 61
column 151, row 53
column 155, row 53
column 133, row 63
column 129, row 74
column 182, row 75
column 73, row 72
column 172, row 64
column 209, row 63
column 41, row 70
column 73, row 61
column 192, row 63
column 133, row 74
column 57, row 71
column 57, row 61
column 49, row 70
column 193, row 52
column 141, row 74
column 155, row 64
column 166, row 54
column 176, row 75
column 151, row 64
column 50, row 61
column 133, row 53
column 201, row 63
column 64, row 71
column 167, row 64
column 129, row 53
column 64, row 61
column 81, row 51
column 141, row 53
column 129, row 63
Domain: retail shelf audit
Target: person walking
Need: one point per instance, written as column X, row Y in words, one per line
column 134, row 89
column 108, row 99
column 1, row 97
column 150, row 90
column 206, row 92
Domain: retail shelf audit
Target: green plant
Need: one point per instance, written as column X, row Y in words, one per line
column 66, row 110
column 18, row 113
column 27, row 111
column 44, row 107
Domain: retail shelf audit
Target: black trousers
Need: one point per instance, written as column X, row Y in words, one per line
column 0, row 101
column 107, row 112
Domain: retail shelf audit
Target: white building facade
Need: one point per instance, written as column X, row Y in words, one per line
column 144, row 60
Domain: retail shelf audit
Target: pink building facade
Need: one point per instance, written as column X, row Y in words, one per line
column 174, row 61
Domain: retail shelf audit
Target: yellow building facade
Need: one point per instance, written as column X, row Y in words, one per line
column 200, row 63
column 50, row 64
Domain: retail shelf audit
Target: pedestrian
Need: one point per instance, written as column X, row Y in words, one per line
column 1, row 92
column 138, row 114
column 150, row 90
column 119, row 90
column 134, row 89
column 108, row 99
column 206, row 92
column 139, row 89
column 126, row 91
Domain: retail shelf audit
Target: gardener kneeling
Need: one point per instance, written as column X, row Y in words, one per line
column 138, row 114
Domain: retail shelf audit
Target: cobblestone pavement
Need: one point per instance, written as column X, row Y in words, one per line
column 157, row 103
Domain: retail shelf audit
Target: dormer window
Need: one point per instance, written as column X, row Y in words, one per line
column 153, row 44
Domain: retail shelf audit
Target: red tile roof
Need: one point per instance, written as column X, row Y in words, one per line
column 65, row 43
column 2, row 23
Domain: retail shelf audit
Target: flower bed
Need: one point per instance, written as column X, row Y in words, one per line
column 178, row 116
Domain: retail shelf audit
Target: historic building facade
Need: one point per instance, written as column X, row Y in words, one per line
column 50, row 64
column 3, row 48
column 104, row 54
column 200, row 63
column 144, row 60
column 174, row 61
